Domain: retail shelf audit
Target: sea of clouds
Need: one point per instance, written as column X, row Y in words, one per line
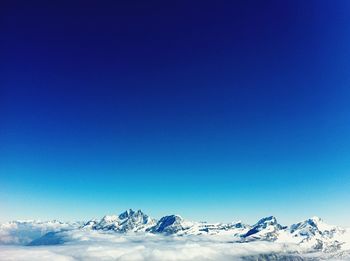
column 92, row 245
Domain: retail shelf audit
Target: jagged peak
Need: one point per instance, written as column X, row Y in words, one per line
column 128, row 220
column 270, row 220
column 127, row 213
column 130, row 213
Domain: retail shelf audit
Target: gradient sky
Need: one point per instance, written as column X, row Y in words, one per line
column 220, row 110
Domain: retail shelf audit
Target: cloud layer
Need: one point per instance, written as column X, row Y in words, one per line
column 87, row 245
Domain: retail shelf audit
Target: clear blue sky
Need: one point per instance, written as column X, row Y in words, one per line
column 219, row 110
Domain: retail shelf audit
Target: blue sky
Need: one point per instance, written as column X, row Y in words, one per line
column 218, row 112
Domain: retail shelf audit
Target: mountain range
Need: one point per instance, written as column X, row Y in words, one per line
column 311, row 235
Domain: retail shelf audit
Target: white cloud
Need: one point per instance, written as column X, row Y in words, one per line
column 23, row 232
column 92, row 246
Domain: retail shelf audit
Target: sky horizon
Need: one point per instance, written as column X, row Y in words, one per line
column 224, row 112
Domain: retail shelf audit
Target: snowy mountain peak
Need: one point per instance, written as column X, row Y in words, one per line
column 267, row 221
column 127, row 213
column 129, row 220
column 265, row 229
column 315, row 234
column 313, row 226
column 170, row 225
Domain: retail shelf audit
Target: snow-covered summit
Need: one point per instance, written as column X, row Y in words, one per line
column 129, row 220
column 265, row 229
column 316, row 234
column 171, row 224
column 313, row 226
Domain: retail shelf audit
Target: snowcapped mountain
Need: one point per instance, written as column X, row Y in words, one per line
column 265, row 229
column 171, row 225
column 315, row 234
column 311, row 235
column 314, row 227
column 127, row 221
column 137, row 221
